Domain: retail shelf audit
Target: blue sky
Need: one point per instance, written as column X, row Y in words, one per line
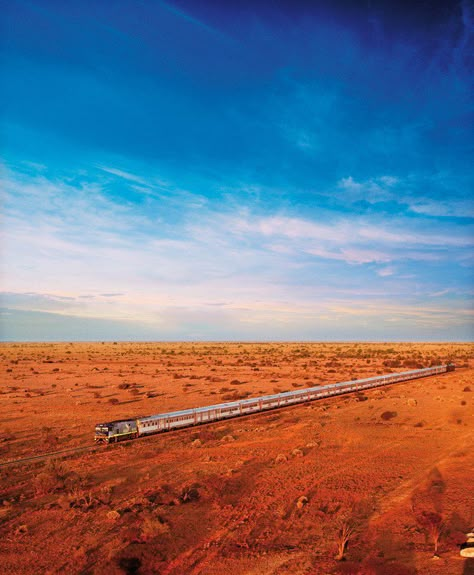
column 237, row 170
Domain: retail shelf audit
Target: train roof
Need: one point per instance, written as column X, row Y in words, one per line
column 298, row 392
column 132, row 419
column 234, row 404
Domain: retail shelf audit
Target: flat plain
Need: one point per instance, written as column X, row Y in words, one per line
column 269, row 494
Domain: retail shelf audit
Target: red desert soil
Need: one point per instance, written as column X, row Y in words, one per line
column 268, row 494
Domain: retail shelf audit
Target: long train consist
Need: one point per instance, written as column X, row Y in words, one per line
column 113, row 431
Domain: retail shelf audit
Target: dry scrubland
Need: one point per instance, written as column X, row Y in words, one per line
column 268, row 494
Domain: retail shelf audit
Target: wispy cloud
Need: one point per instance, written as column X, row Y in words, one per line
column 192, row 20
column 122, row 174
column 386, row 272
column 452, row 208
column 407, row 194
column 76, row 245
column 372, row 191
column 353, row 239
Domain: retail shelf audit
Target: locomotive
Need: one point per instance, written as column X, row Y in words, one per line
column 119, row 430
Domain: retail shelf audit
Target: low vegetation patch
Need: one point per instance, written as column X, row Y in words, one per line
column 388, row 415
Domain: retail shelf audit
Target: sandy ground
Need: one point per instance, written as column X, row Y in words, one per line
column 267, row 494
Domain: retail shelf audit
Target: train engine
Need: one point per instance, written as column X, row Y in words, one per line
column 114, row 431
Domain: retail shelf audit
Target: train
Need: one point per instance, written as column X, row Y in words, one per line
column 119, row 430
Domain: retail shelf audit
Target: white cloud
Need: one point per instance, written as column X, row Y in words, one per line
column 350, row 239
column 453, row 208
column 365, row 256
column 389, row 180
column 123, row 174
column 373, row 190
column 386, row 272
column 350, row 184
column 72, row 250
column 409, row 194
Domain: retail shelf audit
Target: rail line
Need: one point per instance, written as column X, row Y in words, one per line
column 43, row 456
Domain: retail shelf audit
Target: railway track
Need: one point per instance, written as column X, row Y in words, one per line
column 49, row 455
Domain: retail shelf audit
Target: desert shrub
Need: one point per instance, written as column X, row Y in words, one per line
column 21, row 530
column 123, row 385
column 189, row 493
column 51, row 479
column 130, row 565
column 44, row 483
column 114, row 400
column 206, row 434
column 235, row 395
column 392, row 363
column 74, row 480
column 104, row 495
column 387, row 415
column 153, row 526
column 8, row 435
column 79, row 499
column 467, row 388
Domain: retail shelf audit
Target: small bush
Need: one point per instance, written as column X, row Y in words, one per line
column 152, row 527
column 51, row 479
column 387, row 415
column 79, row 499
column 129, row 565
column 45, row 482
column 189, row 494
